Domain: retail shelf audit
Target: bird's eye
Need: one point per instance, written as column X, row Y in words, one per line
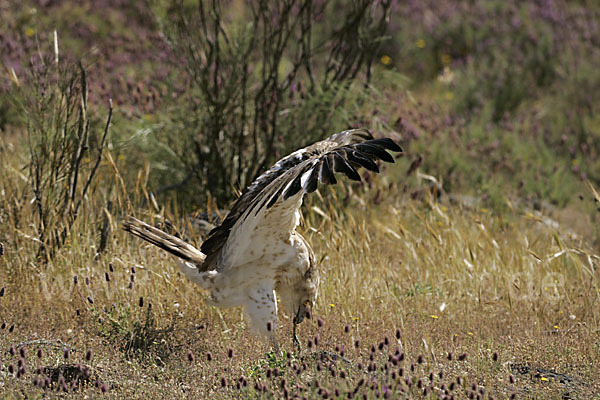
column 306, row 303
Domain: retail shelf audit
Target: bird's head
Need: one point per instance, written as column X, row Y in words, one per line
column 306, row 296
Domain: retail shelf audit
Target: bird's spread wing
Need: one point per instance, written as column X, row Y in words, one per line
column 292, row 176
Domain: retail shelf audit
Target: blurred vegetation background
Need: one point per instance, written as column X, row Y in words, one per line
column 495, row 102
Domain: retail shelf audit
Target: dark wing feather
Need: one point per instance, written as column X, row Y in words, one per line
column 386, row 143
column 325, row 173
column 297, row 173
column 375, row 150
column 312, row 181
column 341, row 165
column 361, row 159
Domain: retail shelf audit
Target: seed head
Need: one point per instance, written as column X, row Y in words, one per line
column 190, row 357
column 88, row 355
column 462, row 357
column 141, row 303
column 2, row 291
column 107, row 277
column 40, row 353
column 22, row 352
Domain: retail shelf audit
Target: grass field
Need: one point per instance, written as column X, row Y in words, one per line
column 467, row 269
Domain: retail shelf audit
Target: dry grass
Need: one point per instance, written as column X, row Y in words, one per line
column 512, row 300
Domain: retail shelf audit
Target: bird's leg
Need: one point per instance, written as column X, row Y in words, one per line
column 295, row 337
column 299, row 317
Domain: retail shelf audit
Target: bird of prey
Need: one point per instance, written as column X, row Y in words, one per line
column 256, row 255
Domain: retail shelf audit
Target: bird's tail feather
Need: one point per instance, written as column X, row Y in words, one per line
column 163, row 240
